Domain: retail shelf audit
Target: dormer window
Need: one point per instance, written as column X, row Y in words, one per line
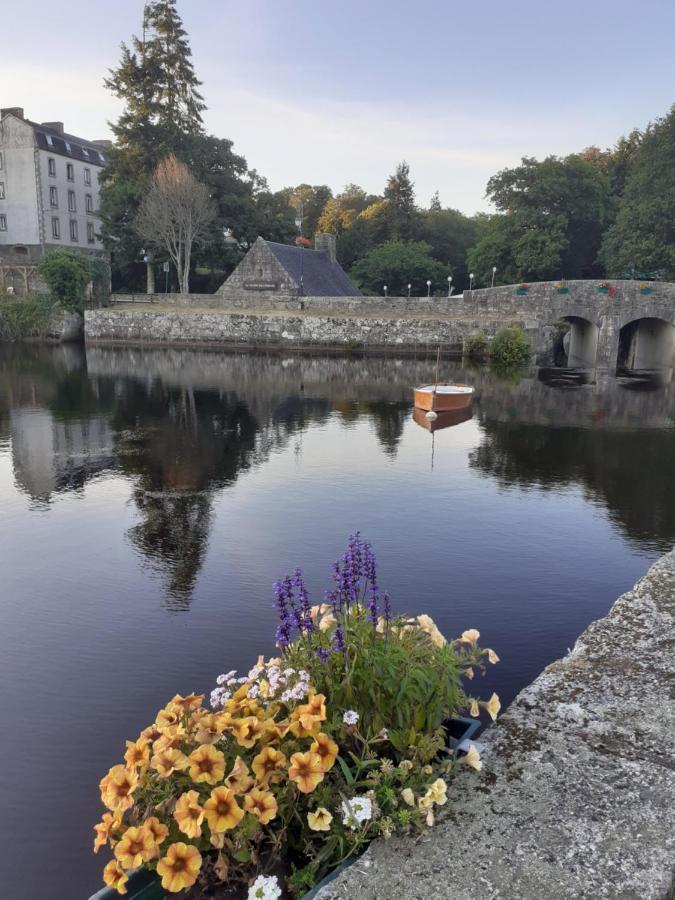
column 101, row 157
column 49, row 140
column 68, row 147
column 85, row 153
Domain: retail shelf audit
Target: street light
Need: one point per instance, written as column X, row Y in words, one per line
column 428, row 288
column 449, row 285
column 409, row 287
column 494, row 272
column 385, row 289
column 470, row 281
column 298, row 225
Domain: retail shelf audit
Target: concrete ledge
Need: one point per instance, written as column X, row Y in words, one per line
column 576, row 798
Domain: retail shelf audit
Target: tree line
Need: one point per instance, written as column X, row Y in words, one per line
column 176, row 192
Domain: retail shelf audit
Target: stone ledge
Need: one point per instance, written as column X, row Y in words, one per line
column 576, row 798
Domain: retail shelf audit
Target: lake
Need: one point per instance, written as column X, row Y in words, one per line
column 149, row 498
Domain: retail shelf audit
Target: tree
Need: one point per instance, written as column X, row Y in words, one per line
column 401, row 212
column 553, row 216
column 311, row 200
column 340, row 212
column 397, row 264
column 450, row 234
column 67, row 274
column 175, row 215
column 642, row 237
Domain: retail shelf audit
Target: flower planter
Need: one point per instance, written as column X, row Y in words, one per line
column 603, row 290
column 562, row 290
column 460, row 729
column 142, row 885
column 646, row 290
column 522, row 291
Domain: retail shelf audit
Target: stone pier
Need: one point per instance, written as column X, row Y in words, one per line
column 576, row 798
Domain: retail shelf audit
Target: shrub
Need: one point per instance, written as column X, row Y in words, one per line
column 67, row 273
column 30, row 317
column 476, row 344
column 303, row 760
column 99, row 272
column 510, row 347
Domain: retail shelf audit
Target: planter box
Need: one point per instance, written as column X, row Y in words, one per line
column 145, row 885
column 603, row 290
column 646, row 290
column 562, row 290
column 522, row 291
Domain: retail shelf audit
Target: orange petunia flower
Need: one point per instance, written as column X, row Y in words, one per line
column 247, row 731
column 157, row 829
column 209, row 727
column 222, row 811
column 117, row 788
column 104, row 829
column 138, row 754
column 168, row 716
column 189, row 814
column 180, row 867
column 169, row 761
column 326, row 750
column 188, row 703
column 267, row 764
column 239, row 778
column 306, row 771
column 206, row 764
column 136, row 846
column 115, row 876
column 262, row 804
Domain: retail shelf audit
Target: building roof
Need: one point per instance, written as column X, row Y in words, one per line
column 321, row 276
column 68, row 145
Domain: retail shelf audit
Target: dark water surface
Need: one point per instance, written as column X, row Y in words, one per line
column 148, row 499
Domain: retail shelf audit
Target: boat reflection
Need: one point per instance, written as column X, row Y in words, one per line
column 443, row 419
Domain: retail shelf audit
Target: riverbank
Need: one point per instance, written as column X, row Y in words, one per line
column 576, row 798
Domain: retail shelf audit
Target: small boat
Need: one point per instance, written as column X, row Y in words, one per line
column 443, row 397
column 442, row 420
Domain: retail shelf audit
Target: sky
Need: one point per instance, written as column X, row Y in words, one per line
column 332, row 93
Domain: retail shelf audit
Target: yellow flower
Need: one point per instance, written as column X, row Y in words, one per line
column 172, row 738
column 206, row 764
column 151, row 733
column 315, row 706
column 306, row 771
column 138, row 754
column 239, row 778
column 469, row 637
column 261, row 804
column 115, row 876
column 209, row 727
column 187, row 704
column 472, row 758
column 267, row 764
column 306, row 718
column 492, row 706
column 180, row 867
column 104, row 828
column 169, row 715
column 428, row 626
column 473, row 708
column 157, row 829
column 438, row 792
column 468, row 673
column 136, row 846
column 221, row 810
column 217, row 838
column 492, row 656
column 320, row 819
column 247, row 731
column 169, row 761
column 326, row 750
column 408, row 796
column 406, row 765
column 189, row 814
column 327, row 622
column 117, row 788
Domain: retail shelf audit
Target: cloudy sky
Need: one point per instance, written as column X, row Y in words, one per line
column 330, row 93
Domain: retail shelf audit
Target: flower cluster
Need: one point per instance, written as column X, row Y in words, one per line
column 266, row 682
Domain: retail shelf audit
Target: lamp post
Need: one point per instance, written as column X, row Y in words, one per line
column 449, row 285
column 470, row 281
column 428, row 288
column 385, row 290
column 409, row 287
column 149, row 272
column 298, row 225
column 494, row 272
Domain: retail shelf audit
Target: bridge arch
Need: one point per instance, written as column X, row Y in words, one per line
column 580, row 342
column 646, row 343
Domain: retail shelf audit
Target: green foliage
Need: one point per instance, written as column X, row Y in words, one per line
column 67, row 273
column 400, row 211
column 30, row 317
column 397, row 264
column 643, row 235
column 476, row 345
column 510, row 347
column 99, row 271
column 450, row 235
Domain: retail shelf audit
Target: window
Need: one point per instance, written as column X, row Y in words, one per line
column 101, row 157
column 68, row 147
column 91, row 237
column 73, row 229
column 49, row 140
column 56, row 228
column 53, row 197
column 89, row 201
column 71, row 201
column 3, row 223
column 2, row 190
column 51, row 165
column 87, row 176
column 85, row 153
column 70, row 172
column 2, row 162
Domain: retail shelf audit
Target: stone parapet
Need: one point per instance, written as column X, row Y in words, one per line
column 576, row 798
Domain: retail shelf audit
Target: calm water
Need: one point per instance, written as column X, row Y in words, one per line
column 148, row 499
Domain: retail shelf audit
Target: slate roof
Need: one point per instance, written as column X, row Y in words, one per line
column 321, row 277
column 80, row 149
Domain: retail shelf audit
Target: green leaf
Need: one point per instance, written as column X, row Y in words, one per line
column 349, row 778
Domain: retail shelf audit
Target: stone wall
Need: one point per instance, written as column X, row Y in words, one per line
column 576, row 798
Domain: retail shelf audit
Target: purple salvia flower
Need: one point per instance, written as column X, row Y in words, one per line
column 372, row 607
column 322, row 654
column 339, row 640
column 386, row 607
column 303, row 599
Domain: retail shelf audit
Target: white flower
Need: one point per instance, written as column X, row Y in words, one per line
column 286, row 696
column 265, row 887
column 356, row 810
column 384, row 734
column 216, row 699
column 351, row 717
column 288, row 672
column 254, row 672
column 224, row 679
column 253, row 691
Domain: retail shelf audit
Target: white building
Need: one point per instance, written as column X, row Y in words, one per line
column 49, row 191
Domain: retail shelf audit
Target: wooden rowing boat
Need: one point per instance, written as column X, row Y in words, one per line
column 443, row 397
